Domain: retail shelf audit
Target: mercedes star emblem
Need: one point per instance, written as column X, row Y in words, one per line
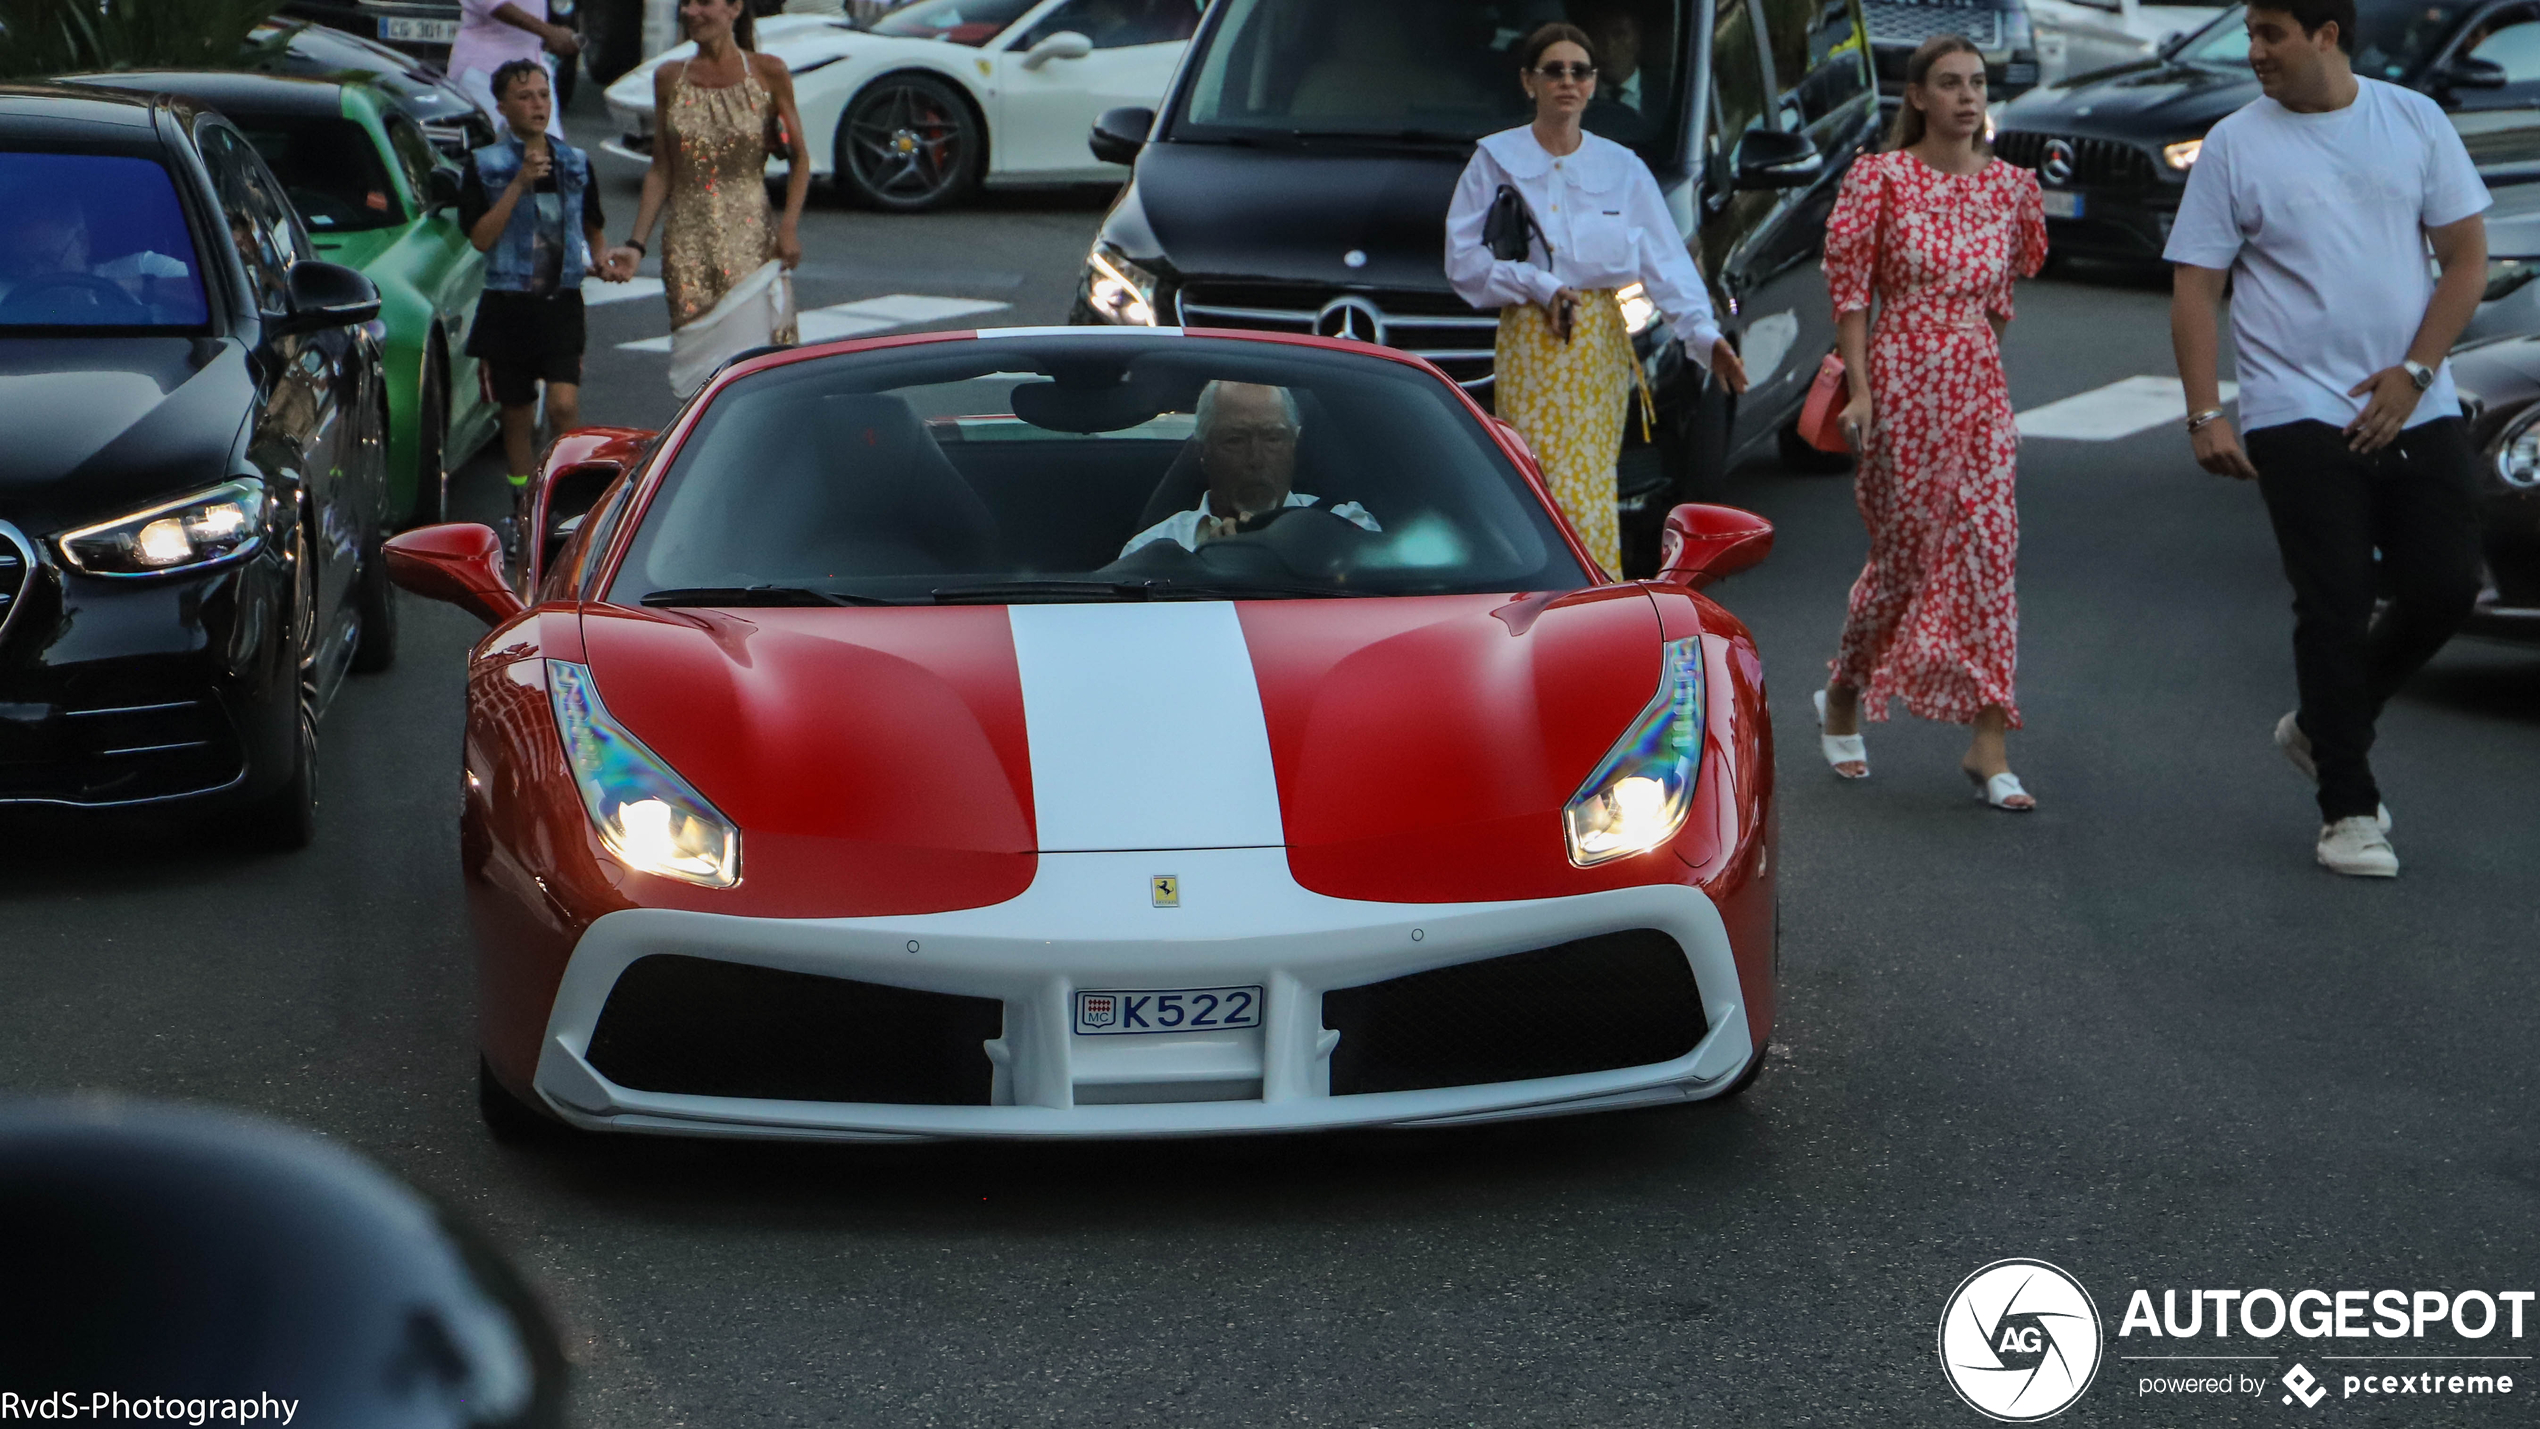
column 2058, row 165
column 1351, row 317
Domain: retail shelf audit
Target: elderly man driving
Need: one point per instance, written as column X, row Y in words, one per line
column 1247, row 450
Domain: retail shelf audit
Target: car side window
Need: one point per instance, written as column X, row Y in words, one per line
column 259, row 224
column 1118, row 24
column 1739, row 93
column 1820, row 61
column 415, row 159
column 593, row 543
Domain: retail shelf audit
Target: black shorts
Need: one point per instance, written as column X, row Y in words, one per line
column 515, row 384
column 525, row 341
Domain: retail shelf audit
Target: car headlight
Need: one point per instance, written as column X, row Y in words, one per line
column 2504, row 275
column 204, row 529
column 646, row 814
column 2182, row 155
column 1120, row 291
column 1638, row 797
column 1638, row 311
column 2518, row 450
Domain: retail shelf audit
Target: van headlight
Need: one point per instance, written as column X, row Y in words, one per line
column 648, row 816
column 2183, row 154
column 1118, row 290
column 1638, row 311
column 2518, row 450
column 190, row 533
column 1639, row 796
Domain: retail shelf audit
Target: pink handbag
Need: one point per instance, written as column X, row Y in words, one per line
column 1821, row 420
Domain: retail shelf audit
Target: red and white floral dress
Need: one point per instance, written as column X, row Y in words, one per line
column 1933, row 620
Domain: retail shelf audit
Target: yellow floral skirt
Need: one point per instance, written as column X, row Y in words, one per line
column 1570, row 399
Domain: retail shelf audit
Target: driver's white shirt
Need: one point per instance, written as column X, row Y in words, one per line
column 1184, row 526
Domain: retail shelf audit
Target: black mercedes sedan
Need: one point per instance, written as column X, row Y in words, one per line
column 193, row 483
column 2113, row 148
column 2499, row 381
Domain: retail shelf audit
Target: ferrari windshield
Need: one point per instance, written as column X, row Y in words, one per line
column 1088, row 468
column 1443, row 70
column 94, row 240
column 963, row 22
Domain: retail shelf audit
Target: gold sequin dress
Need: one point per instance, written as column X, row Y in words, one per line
column 720, row 227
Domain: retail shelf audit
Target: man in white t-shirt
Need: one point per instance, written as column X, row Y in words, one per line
column 2318, row 202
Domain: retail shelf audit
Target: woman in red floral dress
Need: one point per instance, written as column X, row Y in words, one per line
column 1937, row 229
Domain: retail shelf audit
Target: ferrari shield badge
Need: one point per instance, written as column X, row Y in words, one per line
column 1167, row 889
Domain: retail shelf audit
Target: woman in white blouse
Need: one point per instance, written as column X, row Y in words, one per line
column 1564, row 362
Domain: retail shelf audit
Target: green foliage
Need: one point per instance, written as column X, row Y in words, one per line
column 49, row 37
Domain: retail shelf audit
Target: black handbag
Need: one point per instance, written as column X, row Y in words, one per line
column 1509, row 229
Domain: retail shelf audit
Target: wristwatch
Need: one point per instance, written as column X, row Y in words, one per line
column 2418, row 373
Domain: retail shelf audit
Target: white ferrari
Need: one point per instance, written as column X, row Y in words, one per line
column 944, row 95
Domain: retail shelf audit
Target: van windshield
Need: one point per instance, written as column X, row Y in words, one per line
column 1423, row 71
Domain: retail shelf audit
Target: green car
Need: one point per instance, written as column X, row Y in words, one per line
column 372, row 192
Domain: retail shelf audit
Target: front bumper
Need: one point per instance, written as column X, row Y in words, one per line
column 1087, row 922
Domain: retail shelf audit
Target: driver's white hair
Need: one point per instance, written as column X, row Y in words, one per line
column 1208, row 404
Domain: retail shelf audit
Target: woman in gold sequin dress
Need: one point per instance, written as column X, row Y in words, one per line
column 719, row 115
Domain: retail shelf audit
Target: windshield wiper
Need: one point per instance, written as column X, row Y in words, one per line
column 757, row 595
column 1022, row 592
column 1245, row 590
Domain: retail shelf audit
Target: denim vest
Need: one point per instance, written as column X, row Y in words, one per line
column 507, row 263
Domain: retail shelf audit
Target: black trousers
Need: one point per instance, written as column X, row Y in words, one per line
column 2333, row 509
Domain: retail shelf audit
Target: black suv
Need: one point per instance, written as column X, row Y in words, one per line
column 1297, row 180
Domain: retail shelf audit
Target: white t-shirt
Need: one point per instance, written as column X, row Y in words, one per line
column 2321, row 220
column 1184, row 527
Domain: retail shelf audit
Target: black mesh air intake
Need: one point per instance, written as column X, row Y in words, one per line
column 702, row 1027
column 1615, row 1000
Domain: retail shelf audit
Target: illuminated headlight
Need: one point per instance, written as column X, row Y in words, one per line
column 2504, row 275
column 1638, row 311
column 2182, row 155
column 1120, row 291
column 2518, row 451
column 221, row 524
column 646, row 814
column 1638, row 798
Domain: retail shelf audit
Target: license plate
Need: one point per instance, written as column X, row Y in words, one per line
column 419, row 32
column 1182, row 1009
column 2062, row 205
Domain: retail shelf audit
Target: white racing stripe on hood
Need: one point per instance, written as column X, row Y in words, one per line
column 1146, row 727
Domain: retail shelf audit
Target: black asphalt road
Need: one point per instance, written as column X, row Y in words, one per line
column 2137, row 1034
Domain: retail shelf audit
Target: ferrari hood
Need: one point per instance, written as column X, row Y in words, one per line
column 803, row 42
column 1374, row 728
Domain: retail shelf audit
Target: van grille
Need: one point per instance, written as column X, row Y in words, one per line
column 1440, row 327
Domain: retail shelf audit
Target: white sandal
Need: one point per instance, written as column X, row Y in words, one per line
column 2000, row 790
column 1841, row 749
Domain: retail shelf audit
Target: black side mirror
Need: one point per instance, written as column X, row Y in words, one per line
column 2466, row 72
column 1775, row 159
column 325, row 295
column 1120, row 133
column 441, row 188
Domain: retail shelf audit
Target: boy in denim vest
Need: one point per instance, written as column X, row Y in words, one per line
column 528, row 204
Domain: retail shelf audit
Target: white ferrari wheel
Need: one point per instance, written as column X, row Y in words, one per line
column 908, row 142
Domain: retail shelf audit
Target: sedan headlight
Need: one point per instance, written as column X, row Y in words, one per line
column 1638, row 798
column 2182, row 155
column 2504, row 275
column 646, row 814
column 2518, row 450
column 1638, row 311
column 1120, row 291
column 204, row 529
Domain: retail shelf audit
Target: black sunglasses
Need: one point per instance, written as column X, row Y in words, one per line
column 1558, row 71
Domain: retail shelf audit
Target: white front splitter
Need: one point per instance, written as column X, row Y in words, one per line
column 1089, row 921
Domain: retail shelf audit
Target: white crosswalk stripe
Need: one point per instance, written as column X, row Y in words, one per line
column 2114, row 412
column 856, row 319
column 596, row 292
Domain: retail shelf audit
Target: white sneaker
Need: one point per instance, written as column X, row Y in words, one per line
column 2297, row 748
column 2355, row 847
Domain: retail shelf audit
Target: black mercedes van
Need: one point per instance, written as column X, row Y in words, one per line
column 1297, row 179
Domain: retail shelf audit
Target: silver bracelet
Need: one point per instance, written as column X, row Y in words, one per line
column 2196, row 420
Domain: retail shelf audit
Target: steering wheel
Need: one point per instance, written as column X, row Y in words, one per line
column 110, row 294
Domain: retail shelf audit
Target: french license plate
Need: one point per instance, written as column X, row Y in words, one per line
column 2061, row 204
column 419, row 32
column 1183, row 1009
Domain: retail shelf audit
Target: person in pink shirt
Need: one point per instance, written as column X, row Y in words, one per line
column 492, row 33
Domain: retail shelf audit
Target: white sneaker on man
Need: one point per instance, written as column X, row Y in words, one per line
column 2356, row 846
column 2297, row 748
